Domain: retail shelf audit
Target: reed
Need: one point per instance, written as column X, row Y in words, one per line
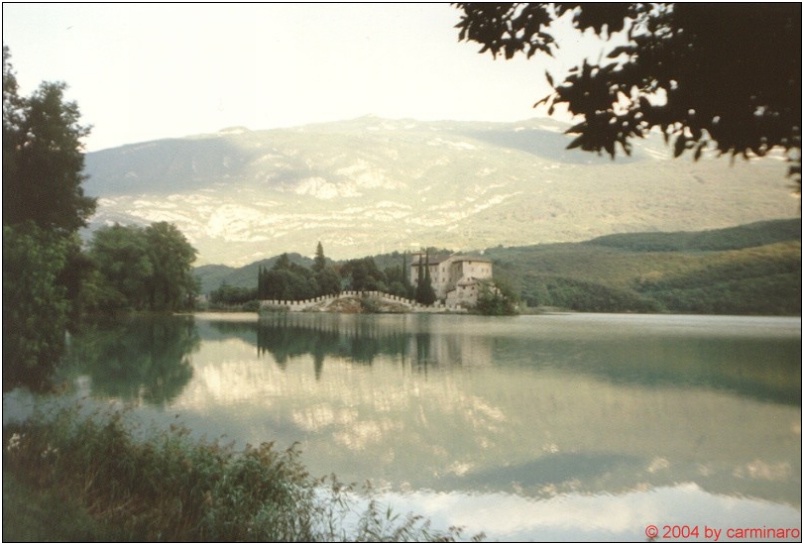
column 165, row 486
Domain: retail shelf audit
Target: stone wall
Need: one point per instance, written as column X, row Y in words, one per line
column 325, row 300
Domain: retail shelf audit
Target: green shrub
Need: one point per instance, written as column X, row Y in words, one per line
column 493, row 300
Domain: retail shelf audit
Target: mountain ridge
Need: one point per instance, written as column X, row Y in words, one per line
column 371, row 185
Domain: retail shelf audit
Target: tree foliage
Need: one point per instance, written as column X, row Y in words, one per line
column 424, row 293
column 397, row 280
column 171, row 284
column 35, row 305
column 327, row 279
column 143, row 268
column 122, row 261
column 287, row 281
column 494, row 300
column 584, row 295
column 232, row 295
column 363, row 275
column 320, row 261
column 750, row 269
column 42, row 157
column 43, row 208
column 725, row 75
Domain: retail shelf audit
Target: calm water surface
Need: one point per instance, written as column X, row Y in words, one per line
column 565, row 427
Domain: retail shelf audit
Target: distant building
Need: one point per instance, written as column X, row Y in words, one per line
column 455, row 279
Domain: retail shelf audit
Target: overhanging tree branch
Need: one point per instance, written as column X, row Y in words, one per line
column 721, row 76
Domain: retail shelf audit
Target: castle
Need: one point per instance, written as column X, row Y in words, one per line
column 455, row 279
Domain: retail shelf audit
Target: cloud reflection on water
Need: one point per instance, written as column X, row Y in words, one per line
column 553, row 427
column 593, row 517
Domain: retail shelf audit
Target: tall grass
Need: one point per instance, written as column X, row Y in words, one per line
column 163, row 486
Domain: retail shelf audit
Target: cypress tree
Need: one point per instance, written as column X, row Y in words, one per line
column 320, row 262
column 428, row 294
column 406, row 276
column 424, row 289
column 419, row 281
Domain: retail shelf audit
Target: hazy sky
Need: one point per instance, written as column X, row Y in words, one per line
column 147, row 71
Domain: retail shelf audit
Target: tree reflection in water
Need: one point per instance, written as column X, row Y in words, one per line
column 732, row 364
column 357, row 340
column 140, row 358
column 576, row 414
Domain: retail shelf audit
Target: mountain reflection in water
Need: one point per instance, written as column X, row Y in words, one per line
column 646, row 413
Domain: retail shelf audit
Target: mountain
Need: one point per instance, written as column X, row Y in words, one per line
column 373, row 185
column 212, row 276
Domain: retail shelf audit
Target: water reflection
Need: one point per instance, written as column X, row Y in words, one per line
column 144, row 358
column 357, row 339
column 738, row 364
column 554, row 416
column 534, row 407
column 596, row 518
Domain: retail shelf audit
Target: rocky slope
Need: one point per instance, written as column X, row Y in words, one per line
column 371, row 185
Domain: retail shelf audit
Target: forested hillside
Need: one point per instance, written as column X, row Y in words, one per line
column 749, row 269
column 734, row 238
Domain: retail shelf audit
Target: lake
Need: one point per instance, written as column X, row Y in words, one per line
column 555, row 427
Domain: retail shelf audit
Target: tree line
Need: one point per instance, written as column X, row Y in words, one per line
column 289, row 281
column 50, row 279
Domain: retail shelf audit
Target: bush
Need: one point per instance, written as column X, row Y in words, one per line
column 493, row 301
